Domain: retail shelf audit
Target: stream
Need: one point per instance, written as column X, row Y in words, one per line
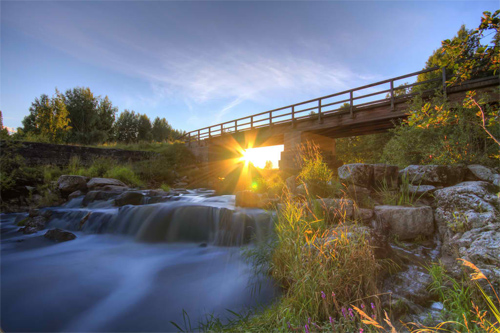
column 132, row 268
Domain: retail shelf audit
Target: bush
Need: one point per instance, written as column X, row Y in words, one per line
column 125, row 174
column 314, row 173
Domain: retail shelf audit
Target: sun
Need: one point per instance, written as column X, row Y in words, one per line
column 259, row 156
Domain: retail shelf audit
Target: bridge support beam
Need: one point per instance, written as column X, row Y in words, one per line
column 292, row 142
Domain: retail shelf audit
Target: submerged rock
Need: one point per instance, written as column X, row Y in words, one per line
column 59, row 235
column 407, row 222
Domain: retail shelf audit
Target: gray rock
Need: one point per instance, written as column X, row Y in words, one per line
column 97, row 183
column 59, row 235
column 114, row 188
column 438, row 175
column 407, row 222
column 479, row 172
column 129, row 198
column 68, row 184
column 99, row 195
column 357, row 173
column 75, row 194
column 421, row 190
column 35, row 224
column 496, row 180
column 385, row 175
column 411, row 284
column 358, row 192
column 364, row 214
column 464, row 206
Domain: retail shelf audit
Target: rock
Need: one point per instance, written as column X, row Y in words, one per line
column 114, row 188
column 129, row 198
column 33, row 212
column 407, row 222
column 421, row 190
column 301, row 190
column 35, row 224
column 356, row 174
column 464, row 206
column 68, row 184
column 359, row 193
column 75, row 194
column 411, row 284
column 291, row 184
column 385, row 176
column 59, row 235
column 248, row 199
column 84, row 220
column 437, row 175
column 99, row 195
column 479, row 172
column 365, row 215
column 47, row 214
column 496, row 180
column 336, row 209
column 97, row 183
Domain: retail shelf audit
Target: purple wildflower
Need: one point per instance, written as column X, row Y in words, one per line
column 309, row 320
column 289, row 326
column 323, row 296
column 373, row 306
column 351, row 314
column 331, row 320
column 361, row 330
column 307, row 328
column 343, row 312
column 362, row 306
column 373, row 316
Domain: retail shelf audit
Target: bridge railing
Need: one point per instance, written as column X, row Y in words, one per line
column 345, row 102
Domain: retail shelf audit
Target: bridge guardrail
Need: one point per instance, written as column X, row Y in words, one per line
column 318, row 109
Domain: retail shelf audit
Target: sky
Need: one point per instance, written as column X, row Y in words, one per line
column 199, row 63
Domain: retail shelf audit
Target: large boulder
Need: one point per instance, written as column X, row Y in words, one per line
column 68, row 184
column 385, row 176
column 464, row 206
column 406, row 222
column 59, row 235
column 357, row 173
column 479, row 172
column 437, row 175
column 129, row 198
column 98, row 183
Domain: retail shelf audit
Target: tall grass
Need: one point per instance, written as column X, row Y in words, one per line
column 404, row 197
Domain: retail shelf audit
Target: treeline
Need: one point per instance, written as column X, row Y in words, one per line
column 79, row 117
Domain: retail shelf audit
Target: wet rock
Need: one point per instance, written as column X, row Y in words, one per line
column 410, row 284
column 379, row 240
column 59, row 235
column 407, row 222
column 479, row 172
column 68, row 184
column 99, row 195
column 464, row 206
column 437, row 175
column 84, row 220
column 357, row 173
column 75, row 194
column 47, row 214
column 34, row 224
column 129, row 198
column 98, row 183
column 385, row 176
column 33, row 212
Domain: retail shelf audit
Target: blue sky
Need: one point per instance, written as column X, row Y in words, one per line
column 201, row 63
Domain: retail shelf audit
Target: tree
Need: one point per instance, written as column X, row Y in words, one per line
column 4, row 133
column 269, row 165
column 127, row 127
column 91, row 117
column 144, row 128
column 161, row 130
column 50, row 117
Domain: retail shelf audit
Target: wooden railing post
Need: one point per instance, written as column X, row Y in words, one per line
column 444, row 80
column 293, row 115
column 270, row 118
column 189, row 139
column 251, row 122
column 199, row 136
column 319, row 111
column 235, row 126
column 221, row 129
column 210, row 132
column 351, row 102
column 392, row 95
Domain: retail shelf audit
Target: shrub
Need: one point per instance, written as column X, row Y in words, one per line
column 314, row 173
column 125, row 174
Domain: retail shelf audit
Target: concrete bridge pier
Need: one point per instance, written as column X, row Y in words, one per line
column 293, row 140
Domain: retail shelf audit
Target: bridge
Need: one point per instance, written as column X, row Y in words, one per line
column 368, row 109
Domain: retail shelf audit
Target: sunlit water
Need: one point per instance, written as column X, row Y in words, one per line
column 136, row 268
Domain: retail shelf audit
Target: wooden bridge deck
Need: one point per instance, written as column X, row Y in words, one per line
column 358, row 113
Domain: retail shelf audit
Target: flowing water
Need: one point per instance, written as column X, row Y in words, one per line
column 133, row 268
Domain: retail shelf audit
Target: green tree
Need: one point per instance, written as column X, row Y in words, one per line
column 50, row 117
column 144, row 129
column 127, row 127
column 161, row 130
column 4, row 133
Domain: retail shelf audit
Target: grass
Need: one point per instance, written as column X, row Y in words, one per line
column 403, row 197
